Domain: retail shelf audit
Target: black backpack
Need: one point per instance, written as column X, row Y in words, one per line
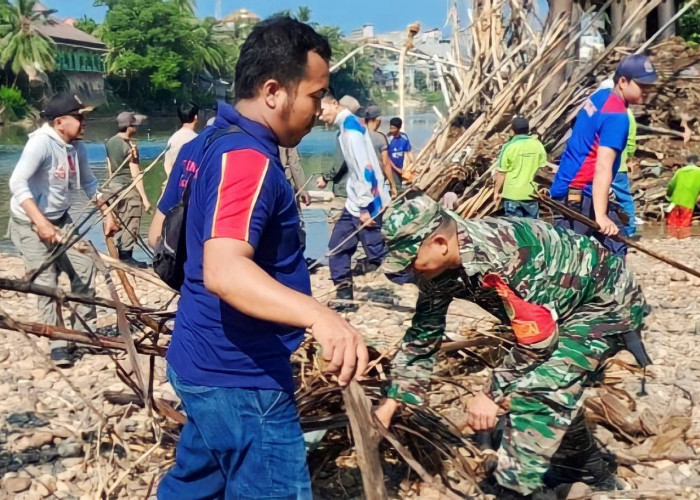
column 171, row 250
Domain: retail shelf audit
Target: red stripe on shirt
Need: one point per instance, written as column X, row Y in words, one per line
column 242, row 175
column 585, row 174
column 614, row 104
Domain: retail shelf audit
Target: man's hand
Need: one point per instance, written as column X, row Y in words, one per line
column 321, row 183
column 305, row 198
column 393, row 191
column 146, row 205
column 386, row 411
column 343, row 347
column 607, row 226
column 48, row 233
column 482, row 413
column 109, row 225
column 497, row 198
column 366, row 218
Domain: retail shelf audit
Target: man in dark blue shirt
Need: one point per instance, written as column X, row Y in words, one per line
column 186, row 165
column 245, row 302
column 399, row 150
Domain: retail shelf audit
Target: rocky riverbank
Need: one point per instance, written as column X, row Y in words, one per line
column 60, row 436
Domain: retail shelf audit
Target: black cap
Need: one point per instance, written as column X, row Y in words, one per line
column 64, row 104
column 520, row 125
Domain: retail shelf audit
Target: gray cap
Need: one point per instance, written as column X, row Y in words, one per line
column 373, row 112
column 129, row 119
column 349, row 102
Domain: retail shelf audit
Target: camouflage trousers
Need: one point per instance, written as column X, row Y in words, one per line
column 546, row 388
column 547, row 391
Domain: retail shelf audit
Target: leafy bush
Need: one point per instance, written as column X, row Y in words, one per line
column 15, row 105
column 689, row 25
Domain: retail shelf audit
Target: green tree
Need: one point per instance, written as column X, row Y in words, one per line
column 215, row 53
column 22, row 46
column 157, row 51
column 355, row 76
column 186, row 6
column 88, row 25
column 689, row 24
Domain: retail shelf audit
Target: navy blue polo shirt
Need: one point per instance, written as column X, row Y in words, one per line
column 240, row 192
column 190, row 156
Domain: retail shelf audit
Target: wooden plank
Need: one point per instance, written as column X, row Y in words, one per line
column 366, row 438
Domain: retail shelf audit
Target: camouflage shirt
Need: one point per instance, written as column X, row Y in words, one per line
column 527, row 273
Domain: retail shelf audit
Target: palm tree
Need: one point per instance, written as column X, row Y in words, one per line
column 186, row 6
column 303, row 14
column 211, row 49
column 22, row 45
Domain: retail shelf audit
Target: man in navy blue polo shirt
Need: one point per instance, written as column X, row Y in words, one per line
column 592, row 155
column 245, row 303
column 185, row 166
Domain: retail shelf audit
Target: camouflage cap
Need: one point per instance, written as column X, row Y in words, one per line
column 405, row 226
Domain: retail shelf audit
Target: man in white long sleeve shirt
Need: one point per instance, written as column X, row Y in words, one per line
column 367, row 192
column 53, row 162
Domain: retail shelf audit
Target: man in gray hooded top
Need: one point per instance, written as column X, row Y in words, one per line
column 53, row 162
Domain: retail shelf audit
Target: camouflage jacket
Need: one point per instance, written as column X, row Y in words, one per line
column 529, row 274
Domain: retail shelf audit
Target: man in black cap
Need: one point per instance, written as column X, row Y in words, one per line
column 122, row 173
column 54, row 161
column 518, row 163
column 592, row 155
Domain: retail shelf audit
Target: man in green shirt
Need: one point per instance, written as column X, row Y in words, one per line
column 122, row 173
column 683, row 192
column 518, row 163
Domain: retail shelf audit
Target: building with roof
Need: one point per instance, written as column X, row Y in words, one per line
column 80, row 57
column 239, row 22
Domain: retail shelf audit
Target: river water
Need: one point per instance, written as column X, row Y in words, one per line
column 316, row 149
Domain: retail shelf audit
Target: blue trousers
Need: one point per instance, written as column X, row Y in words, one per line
column 585, row 207
column 371, row 237
column 237, row 443
column 623, row 196
column 513, row 208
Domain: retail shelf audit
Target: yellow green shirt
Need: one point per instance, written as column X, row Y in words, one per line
column 520, row 159
column 684, row 188
column 629, row 151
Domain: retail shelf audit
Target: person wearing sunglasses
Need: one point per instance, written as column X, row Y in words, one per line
column 593, row 154
column 54, row 161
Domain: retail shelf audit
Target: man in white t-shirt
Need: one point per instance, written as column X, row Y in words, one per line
column 187, row 112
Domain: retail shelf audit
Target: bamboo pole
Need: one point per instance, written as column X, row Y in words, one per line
column 573, row 214
column 59, row 333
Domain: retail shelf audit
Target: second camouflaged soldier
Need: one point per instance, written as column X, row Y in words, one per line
column 570, row 303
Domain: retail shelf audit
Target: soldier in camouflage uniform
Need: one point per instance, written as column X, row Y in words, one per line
column 570, row 303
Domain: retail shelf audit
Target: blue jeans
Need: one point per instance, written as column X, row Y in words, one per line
column 237, row 443
column 623, row 196
column 372, row 240
column 513, row 208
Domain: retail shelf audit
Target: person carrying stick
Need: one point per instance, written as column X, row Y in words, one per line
column 54, row 162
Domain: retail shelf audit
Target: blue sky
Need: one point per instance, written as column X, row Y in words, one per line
column 386, row 15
